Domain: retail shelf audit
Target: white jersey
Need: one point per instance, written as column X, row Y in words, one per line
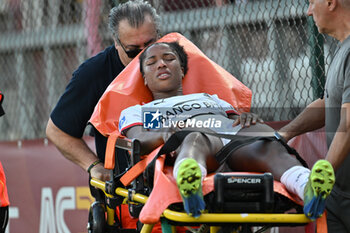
column 173, row 109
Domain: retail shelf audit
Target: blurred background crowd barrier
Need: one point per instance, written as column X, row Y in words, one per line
column 272, row 46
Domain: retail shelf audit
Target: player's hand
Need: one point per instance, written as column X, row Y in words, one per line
column 246, row 119
column 100, row 173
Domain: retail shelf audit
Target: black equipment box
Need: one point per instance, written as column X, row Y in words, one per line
column 243, row 193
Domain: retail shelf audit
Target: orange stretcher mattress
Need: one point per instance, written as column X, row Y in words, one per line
column 203, row 76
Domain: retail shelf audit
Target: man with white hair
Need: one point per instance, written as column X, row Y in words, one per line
column 332, row 17
column 134, row 25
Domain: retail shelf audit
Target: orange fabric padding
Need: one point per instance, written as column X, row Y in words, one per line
column 203, row 75
column 128, row 222
column 321, row 223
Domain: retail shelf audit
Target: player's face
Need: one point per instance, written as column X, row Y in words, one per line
column 162, row 70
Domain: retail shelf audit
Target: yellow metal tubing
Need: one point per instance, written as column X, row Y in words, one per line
column 214, row 229
column 236, row 218
column 110, row 216
column 120, row 191
column 211, row 217
column 100, row 185
column 147, row 228
column 134, row 197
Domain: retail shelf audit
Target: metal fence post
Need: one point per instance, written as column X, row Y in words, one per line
column 316, row 42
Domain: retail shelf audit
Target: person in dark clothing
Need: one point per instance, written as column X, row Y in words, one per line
column 134, row 25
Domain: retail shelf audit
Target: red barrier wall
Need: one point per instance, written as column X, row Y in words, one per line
column 47, row 192
column 50, row 194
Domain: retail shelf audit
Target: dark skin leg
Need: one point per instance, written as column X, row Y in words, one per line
column 201, row 148
column 262, row 156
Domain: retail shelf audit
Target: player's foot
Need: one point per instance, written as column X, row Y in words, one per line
column 319, row 186
column 189, row 182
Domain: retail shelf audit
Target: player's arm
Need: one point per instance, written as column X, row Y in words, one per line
column 149, row 140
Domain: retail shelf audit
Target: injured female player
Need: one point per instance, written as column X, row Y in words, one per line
column 163, row 67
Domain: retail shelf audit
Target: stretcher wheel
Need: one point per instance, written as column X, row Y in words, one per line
column 97, row 220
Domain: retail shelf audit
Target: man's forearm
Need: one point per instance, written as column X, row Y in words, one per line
column 340, row 146
column 74, row 149
column 339, row 149
column 312, row 118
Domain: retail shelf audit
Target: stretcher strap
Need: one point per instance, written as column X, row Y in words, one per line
column 110, row 150
column 137, row 169
column 177, row 138
column 236, row 142
column 172, row 144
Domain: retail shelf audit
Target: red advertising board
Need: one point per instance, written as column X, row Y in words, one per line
column 47, row 192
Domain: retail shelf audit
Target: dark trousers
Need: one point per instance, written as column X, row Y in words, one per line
column 338, row 213
column 4, row 218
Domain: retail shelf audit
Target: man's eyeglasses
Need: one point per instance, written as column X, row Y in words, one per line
column 130, row 53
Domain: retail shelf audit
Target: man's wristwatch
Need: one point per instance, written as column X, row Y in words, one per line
column 93, row 165
column 280, row 138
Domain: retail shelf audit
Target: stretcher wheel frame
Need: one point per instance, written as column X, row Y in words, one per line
column 108, row 200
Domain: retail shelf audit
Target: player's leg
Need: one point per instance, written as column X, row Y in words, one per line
column 271, row 156
column 193, row 156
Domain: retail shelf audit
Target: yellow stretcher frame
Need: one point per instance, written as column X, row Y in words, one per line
column 212, row 219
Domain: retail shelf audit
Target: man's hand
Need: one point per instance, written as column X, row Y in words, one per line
column 100, row 173
column 246, row 119
column 310, row 119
